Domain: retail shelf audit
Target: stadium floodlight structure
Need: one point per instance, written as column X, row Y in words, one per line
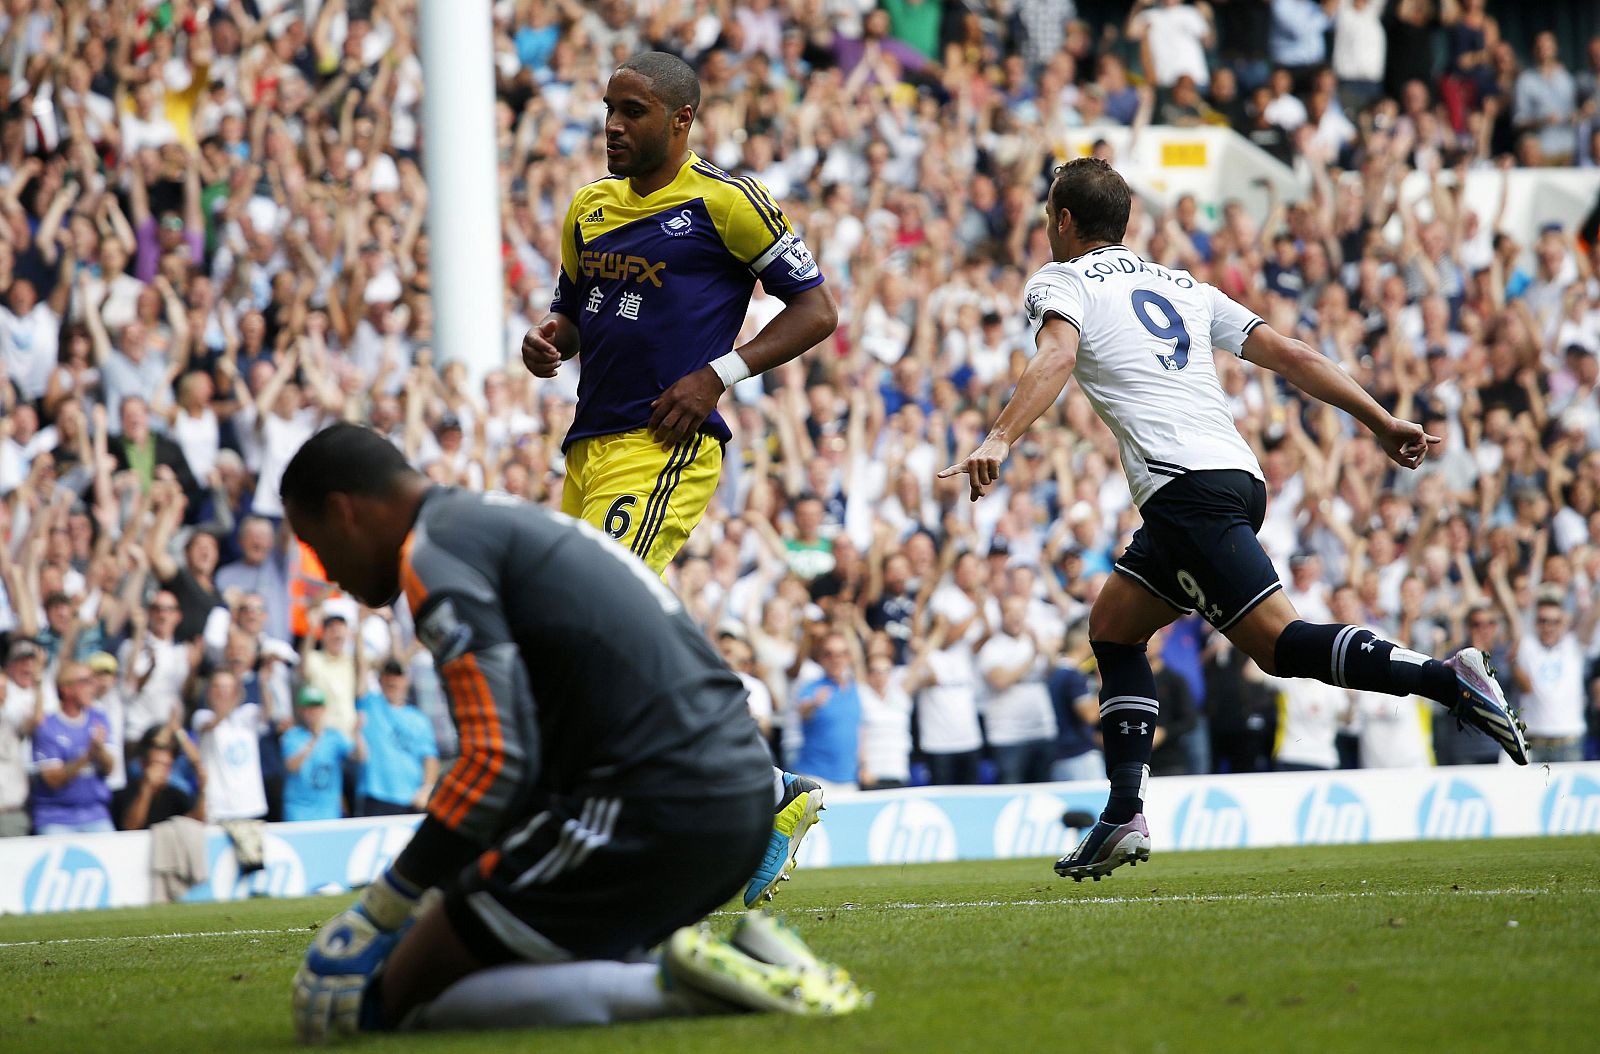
column 462, row 169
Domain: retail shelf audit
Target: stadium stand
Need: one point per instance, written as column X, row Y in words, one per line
column 214, row 242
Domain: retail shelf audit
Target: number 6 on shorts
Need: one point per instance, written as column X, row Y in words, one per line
column 618, row 518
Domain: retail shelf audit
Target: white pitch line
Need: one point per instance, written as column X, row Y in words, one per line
column 933, row 905
column 151, row 937
column 1196, row 898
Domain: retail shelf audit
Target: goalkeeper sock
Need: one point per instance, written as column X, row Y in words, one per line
column 531, row 995
column 1128, row 711
column 1352, row 657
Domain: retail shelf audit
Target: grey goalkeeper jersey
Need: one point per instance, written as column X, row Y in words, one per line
column 569, row 668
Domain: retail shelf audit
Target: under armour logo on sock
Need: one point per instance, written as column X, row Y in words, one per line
column 1130, row 729
column 1367, row 645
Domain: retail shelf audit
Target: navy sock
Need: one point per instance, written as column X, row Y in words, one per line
column 1352, row 657
column 1128, row 710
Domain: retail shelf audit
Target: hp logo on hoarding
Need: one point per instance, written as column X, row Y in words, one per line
column 911, row 831
column 67, row 878
column 1571, row 806
column 1211, row 819
column 1332, row 814
column 1454, row 809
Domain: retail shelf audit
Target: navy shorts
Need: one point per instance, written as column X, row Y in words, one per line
column 1198, row 550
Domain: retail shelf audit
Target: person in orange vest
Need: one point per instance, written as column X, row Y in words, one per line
column 308, row 587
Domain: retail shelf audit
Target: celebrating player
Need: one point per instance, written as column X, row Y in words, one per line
column 1139, row 338
column 658, row 262
column 611, row 788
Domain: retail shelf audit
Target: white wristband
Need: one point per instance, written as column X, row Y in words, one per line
column 388, row 900
column 731, row 368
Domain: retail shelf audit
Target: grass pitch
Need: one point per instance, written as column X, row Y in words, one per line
column 1453, row 946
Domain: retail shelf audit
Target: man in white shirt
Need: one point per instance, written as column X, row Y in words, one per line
column 1175, row 36
column 1018, row 717
column 947, row 715
column 1333, row 130
column 1047, row 616
column 741, row 659
column 1310, row 715
column 32, row 688
column 961, row 607
column 885, row 721
column 380, row 334
column 1285, row 109
column 77, row 93
column 147, row 125
column 20, row 714
column 155, row 667
column 1140, row 339
column 30, row 330
column 1360, row 52
column 1395, row 733
column 229, row 730
column 283, row 422
column 1549, row 669
column 115, row 290
column 1306, row 588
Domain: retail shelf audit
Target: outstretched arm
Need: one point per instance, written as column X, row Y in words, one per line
column 1037, row 390
column 1316, row 375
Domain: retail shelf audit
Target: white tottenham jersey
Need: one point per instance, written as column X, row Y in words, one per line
column 1145, row 360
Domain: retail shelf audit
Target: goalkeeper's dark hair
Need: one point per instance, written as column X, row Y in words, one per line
column 1097, row 197
column 672, row 80
column 342, row 459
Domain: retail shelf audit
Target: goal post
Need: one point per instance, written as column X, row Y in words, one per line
column 460, row 163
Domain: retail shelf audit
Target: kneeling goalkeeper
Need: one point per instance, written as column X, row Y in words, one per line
column 611, row 790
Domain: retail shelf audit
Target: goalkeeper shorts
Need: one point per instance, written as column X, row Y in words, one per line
column 607, row 878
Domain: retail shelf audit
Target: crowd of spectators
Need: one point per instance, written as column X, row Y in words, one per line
column 213, row 244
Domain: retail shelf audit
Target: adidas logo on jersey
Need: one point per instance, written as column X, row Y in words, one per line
column 597, row 216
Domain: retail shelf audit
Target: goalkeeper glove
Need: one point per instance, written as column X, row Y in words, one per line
column 331, row 987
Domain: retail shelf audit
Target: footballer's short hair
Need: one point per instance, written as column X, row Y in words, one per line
column 1097, row 197
column 672, row 80
column 341, row 459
